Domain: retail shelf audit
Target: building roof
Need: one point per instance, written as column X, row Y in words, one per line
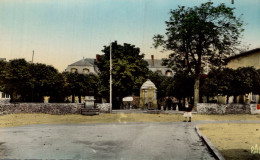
column 157, row 63
column 243, row 54
column 90, row 62
column 148, row 84
column 84, row 62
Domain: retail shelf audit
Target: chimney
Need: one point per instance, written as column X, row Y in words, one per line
column 152, row 56
column 97, row 58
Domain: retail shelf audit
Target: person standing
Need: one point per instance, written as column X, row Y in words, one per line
column 168, row 103
column 188, row 111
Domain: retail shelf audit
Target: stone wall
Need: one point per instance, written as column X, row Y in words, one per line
column 104, row 107
column 4, row 101
column 214, row 108
column 48, row 108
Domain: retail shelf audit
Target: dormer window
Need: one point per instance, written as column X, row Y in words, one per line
column 168, row 73
column 73, row 70
column 85, row 71
column 159, row 72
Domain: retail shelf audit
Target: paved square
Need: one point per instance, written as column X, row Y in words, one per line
column 103, row 141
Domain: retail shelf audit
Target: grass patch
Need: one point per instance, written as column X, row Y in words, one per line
column 234, row 141
column 27, row 119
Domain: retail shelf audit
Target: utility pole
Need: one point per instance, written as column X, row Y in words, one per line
column 110, row 78
column 33, row 71
column 32, row 56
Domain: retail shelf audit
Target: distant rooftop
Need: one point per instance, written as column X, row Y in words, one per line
column 84, row 62
column 90, row 62
column 244, row 54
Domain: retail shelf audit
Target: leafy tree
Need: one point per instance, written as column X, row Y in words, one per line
column 129, row 71
column 256, row 83
column 80, row 84
column 30, row 82
column 200, row 34
column 46, row 81
column 3, row 65
column 183, row 85
column 159, row 81
column 229, row 82
column 245, row 79
column 219, row 81
column 16, row 78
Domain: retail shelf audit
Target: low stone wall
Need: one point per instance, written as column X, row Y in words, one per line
column 49, row 108
column 4, row 101
column 104, row 107
column 214, row 108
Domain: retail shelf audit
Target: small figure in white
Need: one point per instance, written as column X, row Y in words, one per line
column 188, row 111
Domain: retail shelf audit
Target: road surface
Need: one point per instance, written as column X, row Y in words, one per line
column 144, row 141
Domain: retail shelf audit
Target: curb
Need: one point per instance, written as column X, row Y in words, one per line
column 210, row 145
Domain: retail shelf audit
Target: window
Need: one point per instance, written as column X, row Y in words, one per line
column 85, row 70
column 4, row 95
column 168, row 73
column 73, row 70
column 159, row 72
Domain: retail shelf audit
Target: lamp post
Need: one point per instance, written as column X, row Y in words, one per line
column 110, row 79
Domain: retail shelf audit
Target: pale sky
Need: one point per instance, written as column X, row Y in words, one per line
column 62, row 32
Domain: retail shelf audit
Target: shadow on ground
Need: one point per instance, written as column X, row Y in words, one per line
column 232, row 154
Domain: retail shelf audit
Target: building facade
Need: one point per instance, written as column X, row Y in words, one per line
column 84, row 66
column 87, row 66
column 155, row 65
column 249, row 58
column 245, row 59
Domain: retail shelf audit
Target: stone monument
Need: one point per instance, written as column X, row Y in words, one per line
column 148, row 95
column 89, row 102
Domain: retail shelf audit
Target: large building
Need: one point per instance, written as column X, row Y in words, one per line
column 84, row 66
column 87, row 66
column 245, row 59
column 155, row 65
column 249, row 58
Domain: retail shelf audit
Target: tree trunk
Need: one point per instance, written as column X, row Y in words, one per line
column 79, row 98
column 73, row 98
column 235, row 99
column 227, row 99
column 196, row 92
column 12, row 97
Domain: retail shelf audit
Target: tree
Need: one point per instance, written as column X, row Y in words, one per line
column 159, row 82
column 183, row 85
column 16, row 78
column 229, row 82
column 129, row 71
column 80, row 84
column 28, row 82
column 46, row 81
column 245, row 81
column 256, row 81
column 198, row 35
column 219, row 81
